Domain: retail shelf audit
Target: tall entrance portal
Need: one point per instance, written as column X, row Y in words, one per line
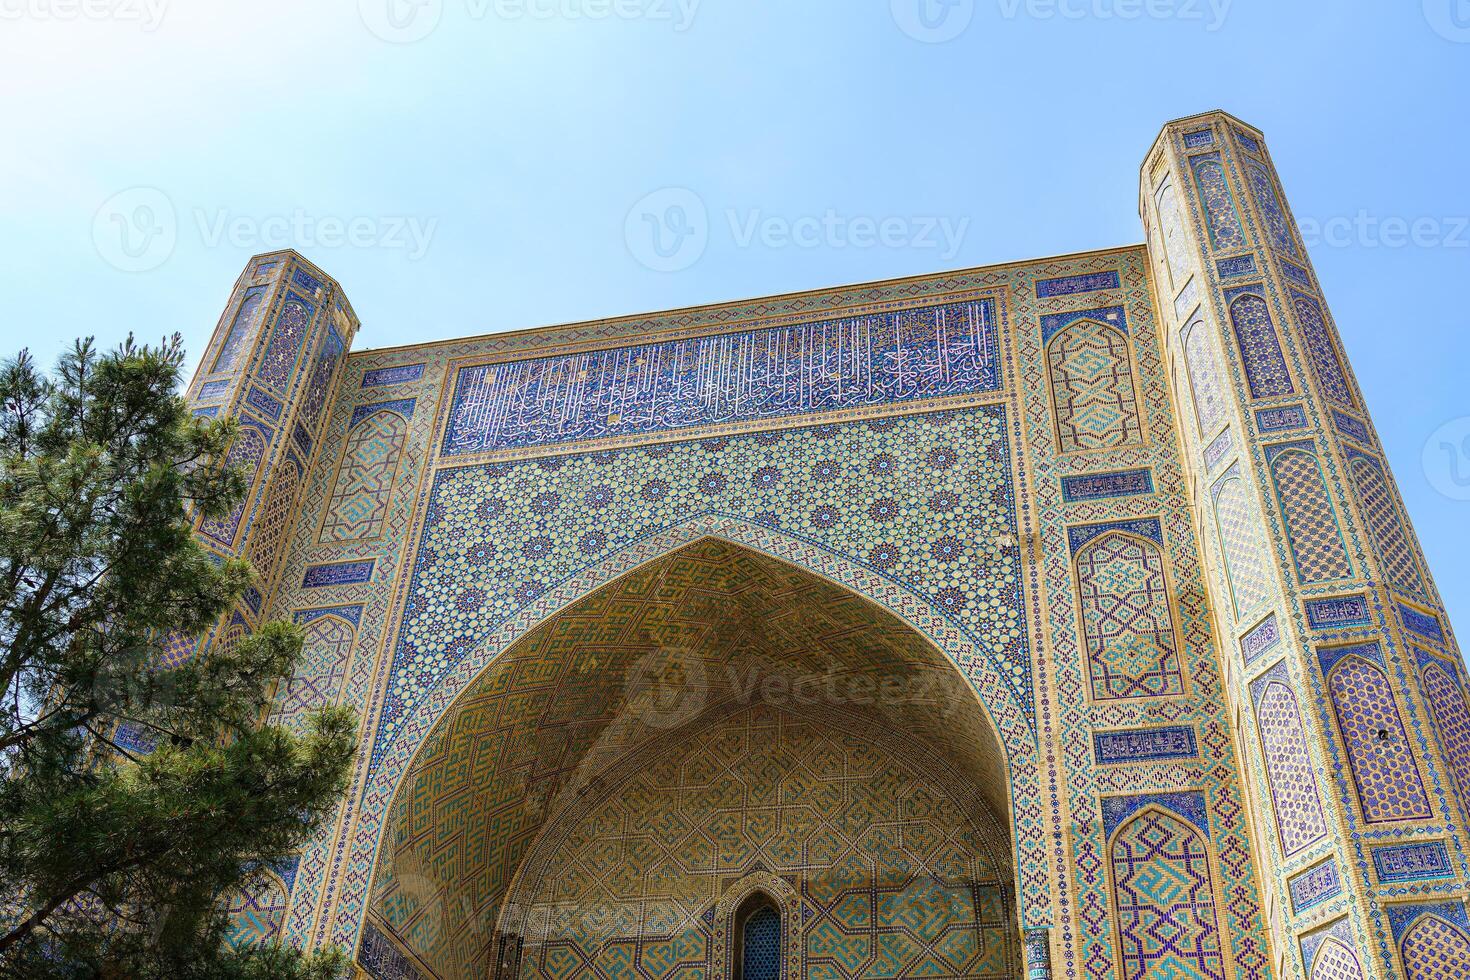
column 714, row 766
column 1058, row 616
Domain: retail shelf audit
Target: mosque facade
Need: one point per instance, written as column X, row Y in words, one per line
column 1057, row 619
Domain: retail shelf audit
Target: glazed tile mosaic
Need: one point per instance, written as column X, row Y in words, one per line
column 1060, row 616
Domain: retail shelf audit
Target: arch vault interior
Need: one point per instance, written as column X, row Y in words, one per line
column 715, row 724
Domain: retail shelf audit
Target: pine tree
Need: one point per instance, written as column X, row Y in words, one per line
column 114, row 862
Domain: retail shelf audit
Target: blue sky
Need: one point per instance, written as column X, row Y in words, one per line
column 470, row 166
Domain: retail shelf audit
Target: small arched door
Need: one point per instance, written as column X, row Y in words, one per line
column 757, row 936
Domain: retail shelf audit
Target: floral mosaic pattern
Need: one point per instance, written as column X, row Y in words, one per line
column 921, row 499
column 1219, row 205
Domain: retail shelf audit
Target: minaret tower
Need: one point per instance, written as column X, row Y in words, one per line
column 1347, row 687
column 272, row 364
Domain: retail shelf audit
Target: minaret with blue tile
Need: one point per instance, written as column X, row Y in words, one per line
column 272, row 364
column 1347, row 686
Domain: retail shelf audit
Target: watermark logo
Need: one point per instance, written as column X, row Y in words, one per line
column 1450, row 19
column 933, row 21
column 667, row 687
column 1211, row 14
column 300, row 228
column 401, row 21
column 668, row 230
column 136, row 230
column 1446, row 459
column 147, row 14
column 407, row 21
column 1368, row 230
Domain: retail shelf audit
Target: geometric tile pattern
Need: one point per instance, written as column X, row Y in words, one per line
column 921, row 499
column 1127, row 618
column 325, row 653
column 1176, row 241
column 626, row 664
column 1239, row 533
column 241, row 329
column 1446, row 700
column 1092, row 386
column 276, row 515
column 1381, row 512
column 1260, row 349
column 1382, row 763
column 256, row 912
column 279, row 360
column 894, row 879
column 359, row 502
column 1278, row 229
column 1293, row 780
column 247, row 455
column 1335, row 961
column 1204, row 378
column 319, row 384
column 1434, row 949
column 1220, row 213
column 1311, row 523
column 760, row 945
column 1165, row 899
column 1322, row 351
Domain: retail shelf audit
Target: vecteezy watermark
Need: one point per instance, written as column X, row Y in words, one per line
column 1211, row 14
column 1450, row 19
column 937, row 21
column 147, row 14
column 933, row 21
column 401, row 21
column 303, row 229
column 1447, row 459
column 1365, row 230
column 669, row 230
column 138, row 229
column 406, row 21
column 667, row 687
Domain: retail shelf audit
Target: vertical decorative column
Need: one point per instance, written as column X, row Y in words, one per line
column 1038, row 954
column 1346, row 685
column 271, row 364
